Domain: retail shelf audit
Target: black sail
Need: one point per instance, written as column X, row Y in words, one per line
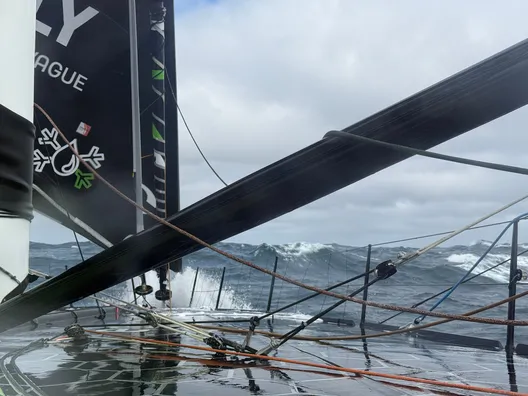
column 83, row 81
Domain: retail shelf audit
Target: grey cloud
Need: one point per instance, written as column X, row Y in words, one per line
column 258, row 80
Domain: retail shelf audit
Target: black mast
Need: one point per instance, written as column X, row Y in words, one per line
column 157, row 112
column 171, row 122
column 159, row 122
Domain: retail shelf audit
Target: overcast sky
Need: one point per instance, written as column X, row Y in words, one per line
column 259, row 80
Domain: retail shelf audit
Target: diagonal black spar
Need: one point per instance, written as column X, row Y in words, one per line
column 473, row 97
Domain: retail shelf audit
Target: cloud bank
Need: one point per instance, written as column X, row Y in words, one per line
column 258, row 80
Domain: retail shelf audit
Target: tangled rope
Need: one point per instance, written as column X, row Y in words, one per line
column 367, row 373
column 269, row 272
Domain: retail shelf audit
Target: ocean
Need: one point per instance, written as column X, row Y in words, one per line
column 245, row 289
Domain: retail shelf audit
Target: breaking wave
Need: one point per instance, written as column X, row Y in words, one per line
column 499, row 274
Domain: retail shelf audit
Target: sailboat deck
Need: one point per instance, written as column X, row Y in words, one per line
column 109, row 366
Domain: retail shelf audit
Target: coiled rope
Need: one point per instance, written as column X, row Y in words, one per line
column 269, row 272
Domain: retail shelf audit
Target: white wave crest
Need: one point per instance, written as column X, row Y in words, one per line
column 205, row 294
column 499, row 274
column 298, row 249
column 482, row 242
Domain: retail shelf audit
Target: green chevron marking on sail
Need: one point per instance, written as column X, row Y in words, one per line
column 158, row 74
column 156, row 134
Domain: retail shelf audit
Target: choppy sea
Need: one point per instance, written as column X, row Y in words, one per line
column 323, row 265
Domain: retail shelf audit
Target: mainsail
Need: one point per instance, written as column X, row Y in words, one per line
column 83, row 81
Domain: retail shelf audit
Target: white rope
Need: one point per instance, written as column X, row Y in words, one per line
column 419, row 252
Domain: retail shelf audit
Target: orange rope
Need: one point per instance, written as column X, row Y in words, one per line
column 269, row 272
column 317, row 365
column 235, row 365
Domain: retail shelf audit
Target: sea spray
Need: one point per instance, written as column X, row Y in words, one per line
column 205, row 294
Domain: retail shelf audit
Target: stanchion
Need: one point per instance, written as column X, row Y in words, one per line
column 194, row 285
column 365, row 283
column 272, row 285
column 220, row 289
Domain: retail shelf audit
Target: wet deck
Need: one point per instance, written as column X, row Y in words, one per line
column 106, row 366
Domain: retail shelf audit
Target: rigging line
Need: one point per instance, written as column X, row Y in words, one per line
column 101, row 311
column 413, row 370
column 379, row 357
column 199, row 149
column 316, row 365
column 156, row 315
column 438, row 234
column 242, row 363
column 191, row 134
column 310, row 296
column 430, row 154
column 425, row 249
column 501, row 284
column 10, row 275
column 154, row 319
column 353, row 249
column 199, row 336
column 316, row 356
column 452, row 289
column 286, row 337
column 282, row 277
column 78, row 245
column 75, row 220
column 63, row 209
column 375, row 335
column 33, row 346
column 13, row 383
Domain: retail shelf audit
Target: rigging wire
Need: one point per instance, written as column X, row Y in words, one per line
column 452, row 289
column 153, row 319
column 430, row 154
column 465, row 281
column 375, row 335
column 414, row 238
column 286, row 337
column 29, row 382
column 435, row 234
column 310, row 296
column 192, row 135
column 102, row 313
column 290, row 280
column 419, row 252
column 15, row 385
column 198, row 147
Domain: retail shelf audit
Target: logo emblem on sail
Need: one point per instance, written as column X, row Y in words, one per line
column 83, row 129
column 61, row 158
